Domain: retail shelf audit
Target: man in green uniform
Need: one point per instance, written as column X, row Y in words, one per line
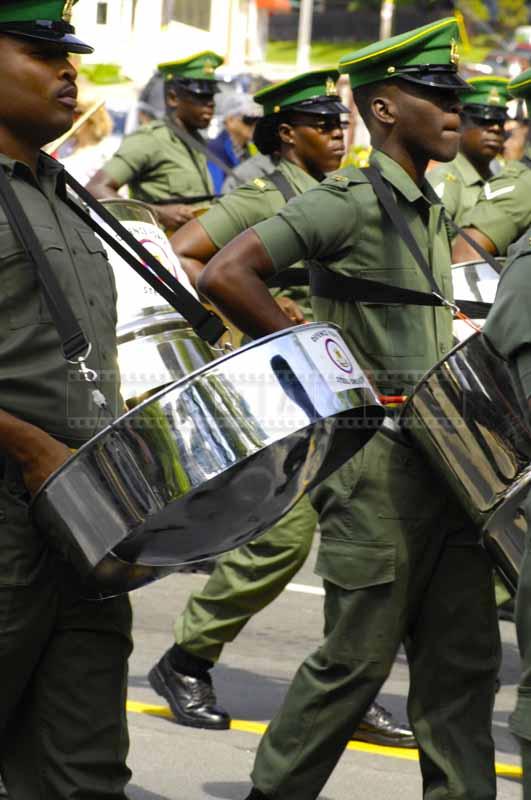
column 507, row 328
column 301, row 130
column 483, row 117
column 503, row 212
column 163, row 160
column 399, row 560
column 63, row 660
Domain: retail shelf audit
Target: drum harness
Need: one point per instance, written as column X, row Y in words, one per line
column 334, row 286
column 75, row 345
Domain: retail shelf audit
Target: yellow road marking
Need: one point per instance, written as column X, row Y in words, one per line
column 247, row 726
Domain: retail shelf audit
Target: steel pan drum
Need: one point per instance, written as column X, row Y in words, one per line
column 156, row 345
column 473, row 281
column 466, row 418
column 211, row 461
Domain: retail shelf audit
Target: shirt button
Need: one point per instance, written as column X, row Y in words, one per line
column 91, row 302
column 74, row 251
column 443, row 348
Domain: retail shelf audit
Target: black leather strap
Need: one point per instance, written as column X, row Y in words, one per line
column 194, row 144
column 282, row 184
column 389, row 204
column 73, row 341
column 334, row 286
column 205, row 323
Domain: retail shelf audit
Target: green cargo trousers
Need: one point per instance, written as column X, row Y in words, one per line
column 63, row 662
column 245, row 581
column 399, row 564
column 520, row 721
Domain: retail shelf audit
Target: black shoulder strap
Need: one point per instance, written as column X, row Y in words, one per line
column 206, row 324
column 526, row 160
column 282, row 184
column 334, row 286
column 73, row 340
column 194, row 144
column 389, row 204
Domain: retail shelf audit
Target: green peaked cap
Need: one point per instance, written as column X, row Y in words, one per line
column 427, row 55
column 48, row 21
column 521, row 85
column 200, row 66
column 314, row 92
column 487, row 97
column 29, row 10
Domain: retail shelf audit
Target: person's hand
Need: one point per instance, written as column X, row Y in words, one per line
column 48, row 455
column 291, row 310
column 173, row 215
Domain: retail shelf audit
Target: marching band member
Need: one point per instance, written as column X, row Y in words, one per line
column 399, row 559
column 163, row 159
column 63, row 659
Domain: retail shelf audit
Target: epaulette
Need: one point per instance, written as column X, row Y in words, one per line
column 260, row 184
column 339, row 178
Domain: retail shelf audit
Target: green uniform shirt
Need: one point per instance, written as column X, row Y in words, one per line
column 508, row 325
column 339, row 224
column 503, row 211
column 157, row 165
column 36, row 384
column 459, row 186
column 252, row 203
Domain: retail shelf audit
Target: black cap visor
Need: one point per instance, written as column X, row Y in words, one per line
column 478, row 111
column 327, row 105
column 59, row 33
column 195, row 85
column 438, row 76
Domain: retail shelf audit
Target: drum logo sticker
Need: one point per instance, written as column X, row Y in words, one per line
column 338, row 356
column 332, row 359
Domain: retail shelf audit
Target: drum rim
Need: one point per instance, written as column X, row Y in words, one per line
column 112, row 201
column 500, row 259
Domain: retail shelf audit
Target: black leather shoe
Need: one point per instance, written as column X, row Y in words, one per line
column 191, row 699
column 378, row 726
column 256, row 795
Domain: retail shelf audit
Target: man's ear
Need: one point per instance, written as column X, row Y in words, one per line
column 384, row 110
column 172, row 99
column 286, row 133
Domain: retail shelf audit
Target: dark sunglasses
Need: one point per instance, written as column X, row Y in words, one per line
column 482, row 122
column 324, row 125
column 250, row 120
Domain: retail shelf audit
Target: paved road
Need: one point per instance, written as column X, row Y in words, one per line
column 170, row 762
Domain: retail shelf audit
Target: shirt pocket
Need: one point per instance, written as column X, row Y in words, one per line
column 96, row 273
column 393, row 329
column 23, row 301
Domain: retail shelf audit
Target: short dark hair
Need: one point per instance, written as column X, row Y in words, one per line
column 363, row 97
column 266, row 136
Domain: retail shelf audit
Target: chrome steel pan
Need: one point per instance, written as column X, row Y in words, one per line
column 466, row 417
column 157, row 350
column 211, row 461
column 474, row 281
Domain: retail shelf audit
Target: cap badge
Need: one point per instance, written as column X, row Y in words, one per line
column 67, row 11
column 494, row 98
column 276, row 109
column 330, row 88
column 454, row 53
column 208, row 67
